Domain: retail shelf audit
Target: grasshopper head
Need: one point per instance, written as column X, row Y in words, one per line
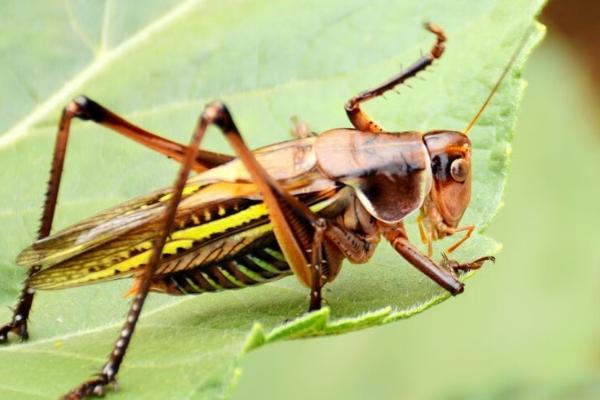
column 450, row 194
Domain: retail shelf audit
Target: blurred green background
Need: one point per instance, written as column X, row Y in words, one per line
column 526, row 328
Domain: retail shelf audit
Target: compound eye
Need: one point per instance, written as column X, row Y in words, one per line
column 459, row 169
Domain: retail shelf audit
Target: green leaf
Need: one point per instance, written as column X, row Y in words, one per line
column 158, row 65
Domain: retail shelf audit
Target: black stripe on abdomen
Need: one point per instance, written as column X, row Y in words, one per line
column 254, row 268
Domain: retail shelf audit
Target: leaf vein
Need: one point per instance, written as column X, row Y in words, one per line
column 20, row 129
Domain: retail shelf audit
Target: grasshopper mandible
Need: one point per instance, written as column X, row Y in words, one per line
column 298, row 207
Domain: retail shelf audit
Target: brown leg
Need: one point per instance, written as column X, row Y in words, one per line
column 356, row 247
column 18, row 324
column 468, row 228
column 424, row 235
column 317, row 264
column 456, row 268
column 293, row 222
column 360, row 119
column 438, row 274
column 97, row 385
column 86, row 109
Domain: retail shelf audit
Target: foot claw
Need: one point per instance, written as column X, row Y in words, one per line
column 94, row 387
column 19, row 328
column 456, row 268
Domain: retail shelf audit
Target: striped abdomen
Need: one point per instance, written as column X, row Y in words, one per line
column 254, row 266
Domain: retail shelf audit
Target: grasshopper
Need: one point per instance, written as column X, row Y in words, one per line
column 299, row 208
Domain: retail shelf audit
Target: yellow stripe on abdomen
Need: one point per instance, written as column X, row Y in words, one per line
column 181, row 239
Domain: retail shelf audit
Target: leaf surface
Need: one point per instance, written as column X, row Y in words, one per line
column 158, row 65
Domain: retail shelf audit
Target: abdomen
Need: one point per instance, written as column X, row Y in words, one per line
column 259, row 263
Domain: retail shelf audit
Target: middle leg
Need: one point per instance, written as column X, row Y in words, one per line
column 297, row 229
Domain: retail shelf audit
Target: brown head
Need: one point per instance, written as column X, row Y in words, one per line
column 450, row 154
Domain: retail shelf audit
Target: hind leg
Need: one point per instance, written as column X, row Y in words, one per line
column 86, row 109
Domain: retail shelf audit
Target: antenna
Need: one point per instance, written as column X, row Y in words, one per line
column 499, row 81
